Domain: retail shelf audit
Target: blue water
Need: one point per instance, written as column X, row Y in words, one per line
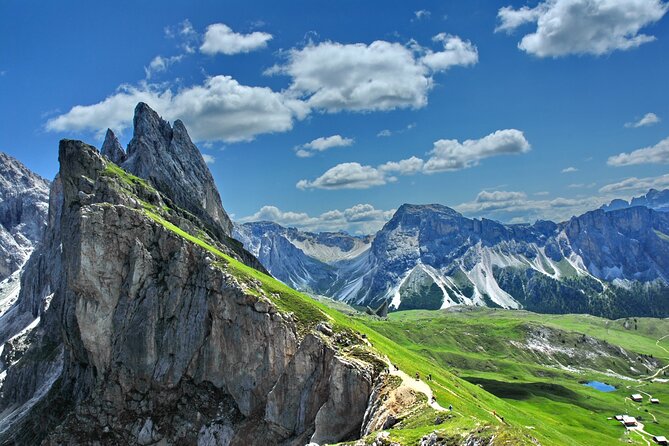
column 602, row 387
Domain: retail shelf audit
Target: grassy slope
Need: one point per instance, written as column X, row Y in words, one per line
column 412, row 341
column 562, row 413
column 475, row 344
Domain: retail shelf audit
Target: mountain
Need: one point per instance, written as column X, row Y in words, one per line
column 23, row 213
column 654, row 199
column 304, row 260
column 613, row 263
column 137, row 324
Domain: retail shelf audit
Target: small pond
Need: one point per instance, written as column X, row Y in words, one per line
column 602, row 387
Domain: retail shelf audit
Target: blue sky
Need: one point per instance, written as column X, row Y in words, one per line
column 329, row 115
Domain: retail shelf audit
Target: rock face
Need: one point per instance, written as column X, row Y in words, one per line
column 150, row 338
column 429, row 256
column 166, row 157
column 112, row 149
column 23, row 212
column 657, row 200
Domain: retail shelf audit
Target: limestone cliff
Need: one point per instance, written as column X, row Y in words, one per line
column 156, row 333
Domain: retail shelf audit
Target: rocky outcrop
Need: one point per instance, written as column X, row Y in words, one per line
column 112, row 149
column 166, row 156
column 23, row 213
column 162, row 342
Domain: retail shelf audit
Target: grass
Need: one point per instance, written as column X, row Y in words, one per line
column 662, row 235
column 479, row 346
column 475, row 361
column 475, row 366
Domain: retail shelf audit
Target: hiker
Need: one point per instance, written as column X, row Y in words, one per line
column 417, row 376
column 434, row 399
column 450, row 407
column 429, row 376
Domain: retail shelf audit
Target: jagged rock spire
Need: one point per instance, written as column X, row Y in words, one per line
column 112, row 148
column 167, row 157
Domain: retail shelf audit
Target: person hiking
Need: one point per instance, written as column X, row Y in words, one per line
column 417, row 376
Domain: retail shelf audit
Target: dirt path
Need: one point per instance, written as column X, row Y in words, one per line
column 662, row 369
column 416, row 385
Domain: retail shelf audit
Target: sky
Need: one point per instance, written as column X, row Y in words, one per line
column 329, row 115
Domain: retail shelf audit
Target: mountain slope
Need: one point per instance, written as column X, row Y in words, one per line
column 23, row 213
column 655, row 199
column 613, row 263
column 156, row 333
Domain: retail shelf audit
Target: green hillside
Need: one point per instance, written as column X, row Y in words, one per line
column 512, row 377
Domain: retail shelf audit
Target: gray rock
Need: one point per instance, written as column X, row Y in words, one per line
column 23, row 213
column 144, row 325
column 166, row 156
column 112, row 149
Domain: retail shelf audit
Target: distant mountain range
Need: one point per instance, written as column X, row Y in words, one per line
column 24, row 205
column 613, row 261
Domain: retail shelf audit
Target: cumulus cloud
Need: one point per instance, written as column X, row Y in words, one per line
column 159, row 64
column 383, row 75
column 321, row 144
column 647, row 120
column 361, row 218
column 657, row 154
column 446, row 155
column 569, row 169
column 582, row 26
column 450, row 154
column 635, row 185
column 518, row 207
column 219, row 109
column 209, row 159
column 346, row 176
column 456, row 52
column 409, row 166
column 220, row 38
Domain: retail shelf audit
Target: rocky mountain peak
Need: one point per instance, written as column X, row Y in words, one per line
column 24, row 198
column 160, row 153
column 112, row 149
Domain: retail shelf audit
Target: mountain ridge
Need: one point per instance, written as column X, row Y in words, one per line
column 434, row 253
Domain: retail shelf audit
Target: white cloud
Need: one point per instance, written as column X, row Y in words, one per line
column 635, row 185
column 569, row 169
column 159, row 64
column 346, row 176
column 383, row 75
column 185, row 34
column 361, row 218
column 582, row 26
column 321, row 144
column 657, row 154
column 447, row 155
column 209, row 159
column 647, row 120
column 457, row 52
column 409, row 166
column 450, row 154
column 518, row 207
column 582, row 185
column 422, row 14
column 387, row 132
column 219, row 109
column 220, row 38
